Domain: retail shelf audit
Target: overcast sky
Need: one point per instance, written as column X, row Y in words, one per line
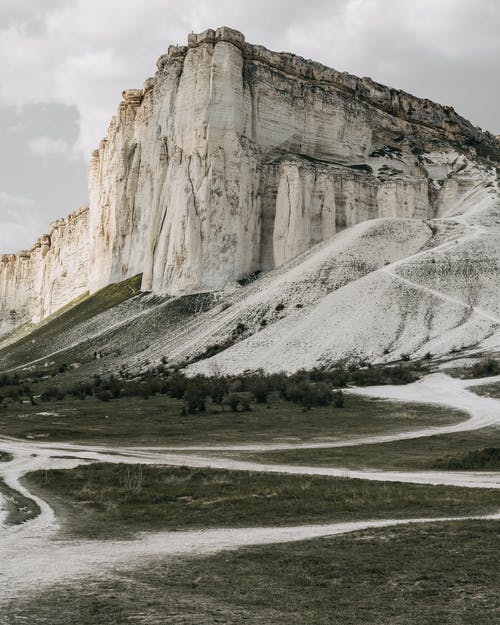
column 64, row 64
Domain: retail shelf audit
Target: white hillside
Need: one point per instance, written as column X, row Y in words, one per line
column 233, row 160
column 439, row 296
column 372, row 292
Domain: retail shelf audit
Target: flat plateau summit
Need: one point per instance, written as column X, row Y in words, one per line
column 279, row 214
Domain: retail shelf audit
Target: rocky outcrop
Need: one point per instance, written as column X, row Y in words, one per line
column 234, row 159
column 35, row 283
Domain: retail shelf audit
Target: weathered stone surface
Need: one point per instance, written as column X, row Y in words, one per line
column 35, row 283
column 234, row 159
column 186, row 188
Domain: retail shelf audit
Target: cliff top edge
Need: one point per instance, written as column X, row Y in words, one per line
column 394, row 101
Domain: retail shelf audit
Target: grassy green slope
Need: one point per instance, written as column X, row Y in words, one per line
column 158, row 420
column 110, row 500
column 433, row 574
column 423, row 454
column 38, row 343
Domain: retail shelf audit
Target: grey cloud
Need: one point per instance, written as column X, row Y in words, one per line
column 78, row 55
column 53, row 185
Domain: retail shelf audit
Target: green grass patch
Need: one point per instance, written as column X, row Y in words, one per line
column 479, row 368
column 108, row 500
column 487, row 390
column 487, row 459
column 19, row 508
column 37, row 344
column 158, row 420
column 419, row 453
column 485, row 367
column 434, row 574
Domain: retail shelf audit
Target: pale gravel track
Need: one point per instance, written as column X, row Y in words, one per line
column 33, row 555
column 475, row 231
column 53, row 562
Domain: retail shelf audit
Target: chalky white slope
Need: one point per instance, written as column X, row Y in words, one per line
column 368, row 216
column 373, row 291
column 440, row 296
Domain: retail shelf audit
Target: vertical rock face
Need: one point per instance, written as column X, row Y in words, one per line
column 35, row 283
column 305, row 210
column 175, row 187
column 234, row 159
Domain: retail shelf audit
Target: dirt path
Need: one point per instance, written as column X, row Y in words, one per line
column 475, row 231
column 58, row 561
column 34, row 555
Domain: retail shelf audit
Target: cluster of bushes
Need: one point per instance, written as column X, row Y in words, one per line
column 13, row 388
column 53, row 393
column 14, row 394
column 395, row 374
column 319, row 387
column 305, row 388
column 9, row 380
column 485, row 367
column 239, row 392
column 235, row 393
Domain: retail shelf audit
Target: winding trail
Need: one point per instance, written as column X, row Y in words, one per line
column 474, row 231
column 34, row 554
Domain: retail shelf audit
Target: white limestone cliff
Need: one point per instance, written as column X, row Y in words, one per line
column 234, row 159
column 35, row 283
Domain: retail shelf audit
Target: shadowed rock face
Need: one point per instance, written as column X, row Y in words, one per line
column 235, row 159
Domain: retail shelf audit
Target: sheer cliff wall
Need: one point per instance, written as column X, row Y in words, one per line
column 234, row 159
column 34, row 283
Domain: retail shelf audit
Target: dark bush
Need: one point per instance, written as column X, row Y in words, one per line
column 104, row 395
column 195, row 397
column 339, row 399
column 234, row 401
column 308, row 394
column 480, row 459
column 260, row 389
column 485, row 367
column 53, row 392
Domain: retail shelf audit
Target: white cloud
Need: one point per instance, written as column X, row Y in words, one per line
column 83, row 53
column 17, row 219
column 9, row 202
column 47, row 146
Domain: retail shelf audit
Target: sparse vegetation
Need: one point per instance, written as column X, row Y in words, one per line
column 433, row 574
column 305, row 388
column 163, row 419
column 487, row 390
column 18, row 507
column 110, row 499
column 482, row 368
column 81, row 310
column 485, row 368
column 487, row 459
column 460, row 451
